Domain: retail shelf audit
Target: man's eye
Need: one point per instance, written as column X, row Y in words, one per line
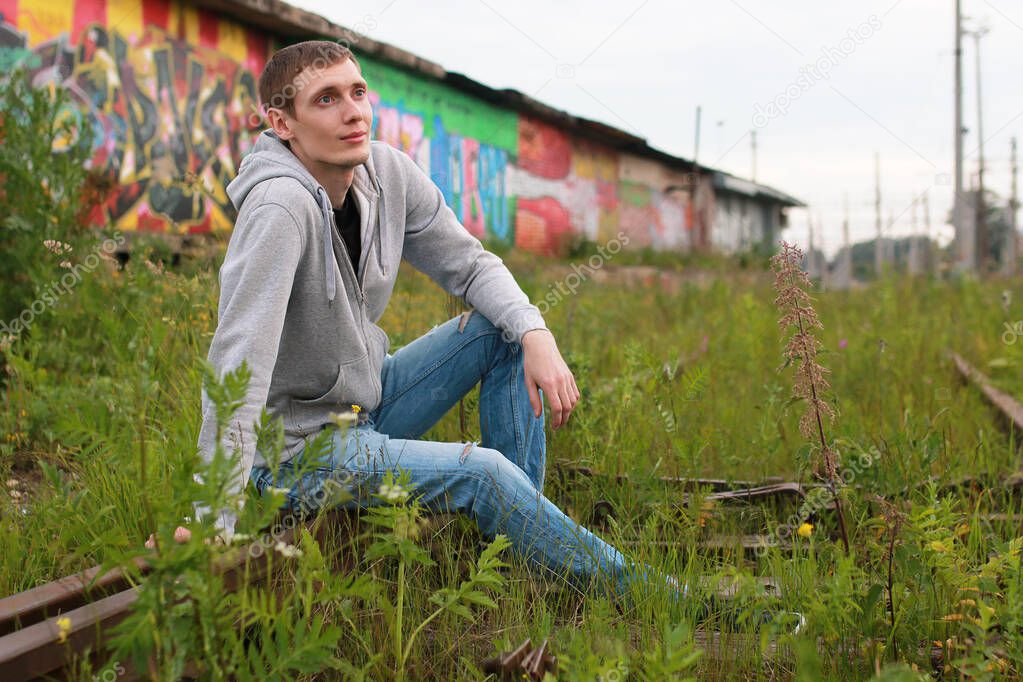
column 360, row 92
column 325, row 99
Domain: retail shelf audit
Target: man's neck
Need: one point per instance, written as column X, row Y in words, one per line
column 335, row 179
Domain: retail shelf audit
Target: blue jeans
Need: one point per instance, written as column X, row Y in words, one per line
column 498, row 481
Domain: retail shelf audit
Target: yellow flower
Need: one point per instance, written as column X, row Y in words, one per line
column 938, row 546
column 63, row 628
column 805, row 530
column 356, row 409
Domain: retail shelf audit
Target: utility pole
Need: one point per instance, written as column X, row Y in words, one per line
column 753, row 142
column 981, row 220
column 964, row 251
column 889, row 253
column 914, row 241
column 1009, row 250
column 696, row 144
column 811, row 256
column 932, row 261
column 847, row 270
column 878, row 249
column 824, row 268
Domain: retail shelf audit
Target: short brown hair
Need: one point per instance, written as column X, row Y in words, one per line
column 279, row 82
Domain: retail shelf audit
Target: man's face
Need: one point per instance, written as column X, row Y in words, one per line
column 332, row 119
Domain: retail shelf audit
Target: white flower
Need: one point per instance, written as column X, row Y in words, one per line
column 393, row 493
column 57, row 247
column 286, row 550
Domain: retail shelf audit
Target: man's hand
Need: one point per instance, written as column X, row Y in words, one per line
column 545, row 369
column 181, row 534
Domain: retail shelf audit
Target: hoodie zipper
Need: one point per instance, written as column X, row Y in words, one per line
column 378, row 386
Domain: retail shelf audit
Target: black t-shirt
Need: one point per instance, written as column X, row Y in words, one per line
column 348, row 223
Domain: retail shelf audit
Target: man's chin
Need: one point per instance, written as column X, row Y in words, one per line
column 352, row 157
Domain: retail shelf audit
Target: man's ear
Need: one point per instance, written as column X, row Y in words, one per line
column 280, row 123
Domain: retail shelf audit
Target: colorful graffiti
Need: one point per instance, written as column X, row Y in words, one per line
column 170, row 92
column 567, row 187
column 170, row 116
column 464, row 144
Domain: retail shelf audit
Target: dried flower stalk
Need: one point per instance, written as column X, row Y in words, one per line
column 796, row 305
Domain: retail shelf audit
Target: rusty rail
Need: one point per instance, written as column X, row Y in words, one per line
column 32, row 644
column 1008, row 407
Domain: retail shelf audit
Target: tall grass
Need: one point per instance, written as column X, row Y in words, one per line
column 107, row 381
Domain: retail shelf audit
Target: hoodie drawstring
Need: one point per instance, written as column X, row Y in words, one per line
column 380, row 225
column 330, row 264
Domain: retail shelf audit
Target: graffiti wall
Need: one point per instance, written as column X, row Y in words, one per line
column 169, row 91
column 465, row 144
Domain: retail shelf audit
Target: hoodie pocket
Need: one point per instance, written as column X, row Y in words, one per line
column 310, row 414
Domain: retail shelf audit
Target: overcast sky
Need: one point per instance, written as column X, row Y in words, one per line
column 859, row 78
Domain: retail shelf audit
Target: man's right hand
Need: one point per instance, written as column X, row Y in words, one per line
column 181, row 534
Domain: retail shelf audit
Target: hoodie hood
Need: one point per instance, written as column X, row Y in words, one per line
column 270, row 158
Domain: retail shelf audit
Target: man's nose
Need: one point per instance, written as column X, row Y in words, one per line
column 351, row 112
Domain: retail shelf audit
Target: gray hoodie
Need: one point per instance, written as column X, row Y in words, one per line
column 305, row 323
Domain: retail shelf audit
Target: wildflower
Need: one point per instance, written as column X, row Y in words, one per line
column 356, row 409
column 805, row 530
column 63, row 628
column 937, row 546
column 842, row 343
column 56, row 247
column 286, row 550
column 796, row 305
column 393, row 493
column 12, row 483
column 66, row 264
column 6, row 341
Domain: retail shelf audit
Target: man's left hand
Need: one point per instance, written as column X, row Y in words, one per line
column 545, row 369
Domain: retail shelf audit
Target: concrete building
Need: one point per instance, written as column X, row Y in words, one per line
column 169, row 88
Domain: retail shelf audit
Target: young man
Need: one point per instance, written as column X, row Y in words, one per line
column 325, row 217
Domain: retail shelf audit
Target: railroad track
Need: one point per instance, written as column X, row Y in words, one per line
column 94, row 600
column 1008, row 408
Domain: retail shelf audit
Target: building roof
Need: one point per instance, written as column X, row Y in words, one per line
column 730, row 183
column 281, row 18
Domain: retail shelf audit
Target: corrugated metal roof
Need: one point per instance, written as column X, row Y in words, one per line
column 283, row 19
